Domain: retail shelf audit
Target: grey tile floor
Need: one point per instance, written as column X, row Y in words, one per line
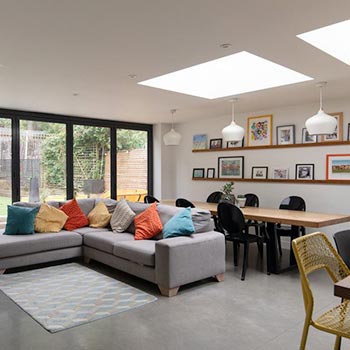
column 261, row 313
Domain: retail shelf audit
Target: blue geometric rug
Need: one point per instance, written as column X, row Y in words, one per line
column 65, row 296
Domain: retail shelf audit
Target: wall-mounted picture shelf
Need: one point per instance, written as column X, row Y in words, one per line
column 319, row 182
column 296, row 145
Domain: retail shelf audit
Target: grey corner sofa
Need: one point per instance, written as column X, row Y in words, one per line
column 170, row 263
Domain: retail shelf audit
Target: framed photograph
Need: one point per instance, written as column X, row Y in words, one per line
column 198, row 173
column 280, row 173
column 285, row 134
column 307, row 138
column 338, row 167
column 199, row 141
column 210, row 173
column 259, row 172
column 233, row 144
column 348, row 132
column 304, row 171
column 338, row 134
column 259, row 130
column 231, row 167
column 215, row 143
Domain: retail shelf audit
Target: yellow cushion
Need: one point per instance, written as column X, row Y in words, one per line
column 49, row 219
column 99, row 216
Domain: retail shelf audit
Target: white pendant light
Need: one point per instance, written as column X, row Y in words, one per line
column 233, row 132
column 172, row 138
column 321, row 123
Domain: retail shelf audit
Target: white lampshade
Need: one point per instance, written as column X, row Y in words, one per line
column 321, row 123
column 233, row 132
column 172, row 138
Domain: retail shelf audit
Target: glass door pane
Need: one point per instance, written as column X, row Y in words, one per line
column 91, row 159
column 132, row 164
column 42, row 161
column 5, row 168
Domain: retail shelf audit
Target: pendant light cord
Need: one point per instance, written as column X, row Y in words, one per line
column 321, row 101
column 172, row 111
column 233, row 111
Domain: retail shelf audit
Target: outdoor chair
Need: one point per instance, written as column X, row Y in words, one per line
column 315, row 252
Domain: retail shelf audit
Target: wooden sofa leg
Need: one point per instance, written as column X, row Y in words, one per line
column 220, row 277
column 168, row 292
column 86, row 260
column 2, row 271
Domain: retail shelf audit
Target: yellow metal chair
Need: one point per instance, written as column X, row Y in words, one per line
column 314, row 252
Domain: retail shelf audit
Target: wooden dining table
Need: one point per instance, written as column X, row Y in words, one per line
column 278, row 216
column 342, row 288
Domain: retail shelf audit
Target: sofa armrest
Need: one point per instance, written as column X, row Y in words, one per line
column 183, row 260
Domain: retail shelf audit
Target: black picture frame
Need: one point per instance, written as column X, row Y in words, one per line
column 211, row 173
column 215, row 143
column 198, row 173
column 348, row 139
column 285, row 134
column 260, row 172
column 306, row 138
column 304, row 171
column 231, row 167
column 235, row 144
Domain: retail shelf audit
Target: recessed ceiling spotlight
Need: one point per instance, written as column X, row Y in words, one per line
column 225, row 45
column 132, row 76
column 75, row 94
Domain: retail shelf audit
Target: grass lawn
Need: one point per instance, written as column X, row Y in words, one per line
column 4, row 201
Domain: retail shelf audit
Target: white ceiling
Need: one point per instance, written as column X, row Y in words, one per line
column 51, row 49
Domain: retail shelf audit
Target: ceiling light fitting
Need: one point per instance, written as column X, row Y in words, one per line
column 172, row 138
column 233, row 132
column 321, row 123
column 225, row 45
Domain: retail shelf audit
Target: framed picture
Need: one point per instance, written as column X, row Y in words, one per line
column 233, row 144
column 280, row 173
column 285, row 134
column 307, row 138
column 210, row 173
column 259, row 130
column 259, row 172
column 215, row 143
column 338, row 167
column 231, row 167
column 199, row 141
column 348, row 131
column 304, row 171
column 198, row 173
column 338, row 134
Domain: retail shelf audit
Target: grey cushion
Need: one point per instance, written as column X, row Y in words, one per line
column 39, row 242
column 27, row 204
column 110, row 203
column 85, row 204
column 105, row 241
column 137, row 208
column 141, row 252
column 84, row 230
column 122, row 217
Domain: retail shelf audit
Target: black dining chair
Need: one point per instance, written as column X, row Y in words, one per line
column 184, row 203
column 235, row 230
column 150, row 199
column 290, row 203
column 215, row 197
column 342, row 242
column 252, row 200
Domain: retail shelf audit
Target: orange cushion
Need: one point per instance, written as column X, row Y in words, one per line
column 148, row 224
column 76, row 217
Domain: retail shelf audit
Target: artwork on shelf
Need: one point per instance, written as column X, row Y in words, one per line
column 338, row 167
column 348, row 131
column 259, row 172
column 215, row 143
column 259, row 130
column 304, row 171
column 231, row 167
column 200, row 141
column 210, row 173
column 280, row 173
column 338, row 134
column 234, row 144
column 307, row 138
column 198, row 173
column 285, row 134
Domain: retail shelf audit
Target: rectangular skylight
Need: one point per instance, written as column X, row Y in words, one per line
column 231, row 75
column 333, row 39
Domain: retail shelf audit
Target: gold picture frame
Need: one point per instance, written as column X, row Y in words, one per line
column 259, row 130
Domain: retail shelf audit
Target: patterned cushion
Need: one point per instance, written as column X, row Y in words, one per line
column 99, row 216
column 122, row 217
column 148, row 224
column 76, row 217
column 49, row 219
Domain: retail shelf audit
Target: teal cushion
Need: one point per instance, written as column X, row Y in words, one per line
column 179, row 225
column 20, row 220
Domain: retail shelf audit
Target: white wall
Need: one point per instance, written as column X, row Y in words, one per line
column 322, row 198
